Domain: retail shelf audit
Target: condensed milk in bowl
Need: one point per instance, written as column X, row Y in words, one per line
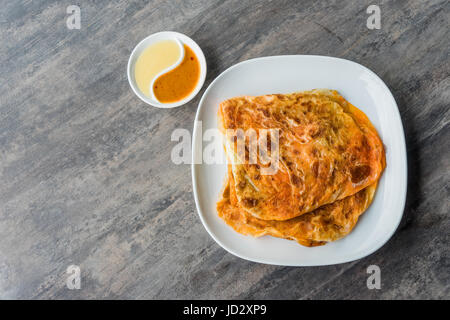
column 167, row 69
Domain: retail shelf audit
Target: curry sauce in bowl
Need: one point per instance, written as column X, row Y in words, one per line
column 166, row 69
column 180, row 82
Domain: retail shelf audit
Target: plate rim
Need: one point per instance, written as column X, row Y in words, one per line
column 304, row 264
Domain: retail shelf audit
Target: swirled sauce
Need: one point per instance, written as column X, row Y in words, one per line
column 153, row 60
column 178, row 83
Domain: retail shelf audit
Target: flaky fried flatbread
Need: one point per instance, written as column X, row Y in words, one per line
column 328, row 151
column 327, row 223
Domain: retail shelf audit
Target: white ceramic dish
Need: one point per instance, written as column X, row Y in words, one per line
column 181, row 39
column 285, row 74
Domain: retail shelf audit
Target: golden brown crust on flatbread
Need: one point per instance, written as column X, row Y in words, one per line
column 327, row 223
column 328, row 148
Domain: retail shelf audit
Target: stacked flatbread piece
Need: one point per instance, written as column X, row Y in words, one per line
column 329, row 161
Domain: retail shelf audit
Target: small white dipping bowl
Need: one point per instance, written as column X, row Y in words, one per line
column 156, row 37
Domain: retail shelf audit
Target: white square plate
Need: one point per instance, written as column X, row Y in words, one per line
column 286, row 74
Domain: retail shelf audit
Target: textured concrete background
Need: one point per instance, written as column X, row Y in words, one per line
column 85, row 169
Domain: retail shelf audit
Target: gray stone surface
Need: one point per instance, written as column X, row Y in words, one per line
column 85, row 169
